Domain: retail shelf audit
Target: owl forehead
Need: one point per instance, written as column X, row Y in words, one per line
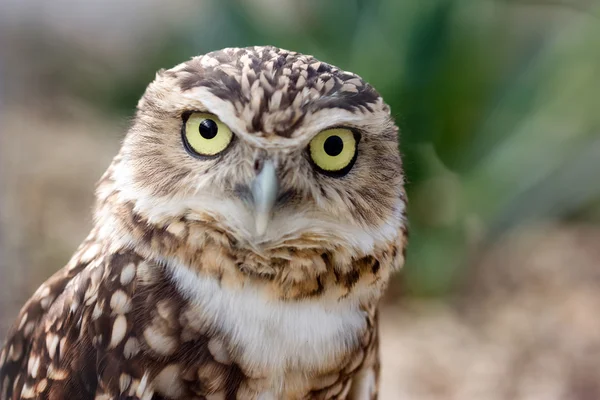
column 273, row 91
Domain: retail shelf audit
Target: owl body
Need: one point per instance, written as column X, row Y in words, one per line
column 243, row 237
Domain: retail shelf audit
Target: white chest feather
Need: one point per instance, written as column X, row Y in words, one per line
column 275, row 336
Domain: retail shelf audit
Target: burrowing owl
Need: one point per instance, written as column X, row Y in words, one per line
column 243, row 237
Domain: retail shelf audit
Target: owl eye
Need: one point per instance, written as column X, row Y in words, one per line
column 333, row 151
column 205, row 135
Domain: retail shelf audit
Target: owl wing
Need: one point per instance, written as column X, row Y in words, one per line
column 112, row 328
column 54, row 349
column 34, row 356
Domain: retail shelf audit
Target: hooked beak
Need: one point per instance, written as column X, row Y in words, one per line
column 264, row 193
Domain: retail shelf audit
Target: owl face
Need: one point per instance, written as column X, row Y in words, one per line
column 271, row 146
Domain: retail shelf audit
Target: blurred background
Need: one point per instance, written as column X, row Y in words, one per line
column 497, row 101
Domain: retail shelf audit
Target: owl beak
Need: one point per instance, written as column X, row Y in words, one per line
column 264, row 193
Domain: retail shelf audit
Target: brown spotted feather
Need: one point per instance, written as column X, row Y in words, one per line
column 118, row 322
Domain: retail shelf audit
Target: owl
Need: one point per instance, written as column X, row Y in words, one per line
column 242, row 239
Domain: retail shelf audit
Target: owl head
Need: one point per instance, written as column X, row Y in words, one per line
column 274, row 148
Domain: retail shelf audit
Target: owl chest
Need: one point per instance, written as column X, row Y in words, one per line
column 270, row 338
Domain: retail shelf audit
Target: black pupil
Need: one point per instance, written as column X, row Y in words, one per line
column 208, row 129
column 333, row 145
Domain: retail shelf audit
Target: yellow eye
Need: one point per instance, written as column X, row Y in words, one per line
column 204, row 134
column 334, row 150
